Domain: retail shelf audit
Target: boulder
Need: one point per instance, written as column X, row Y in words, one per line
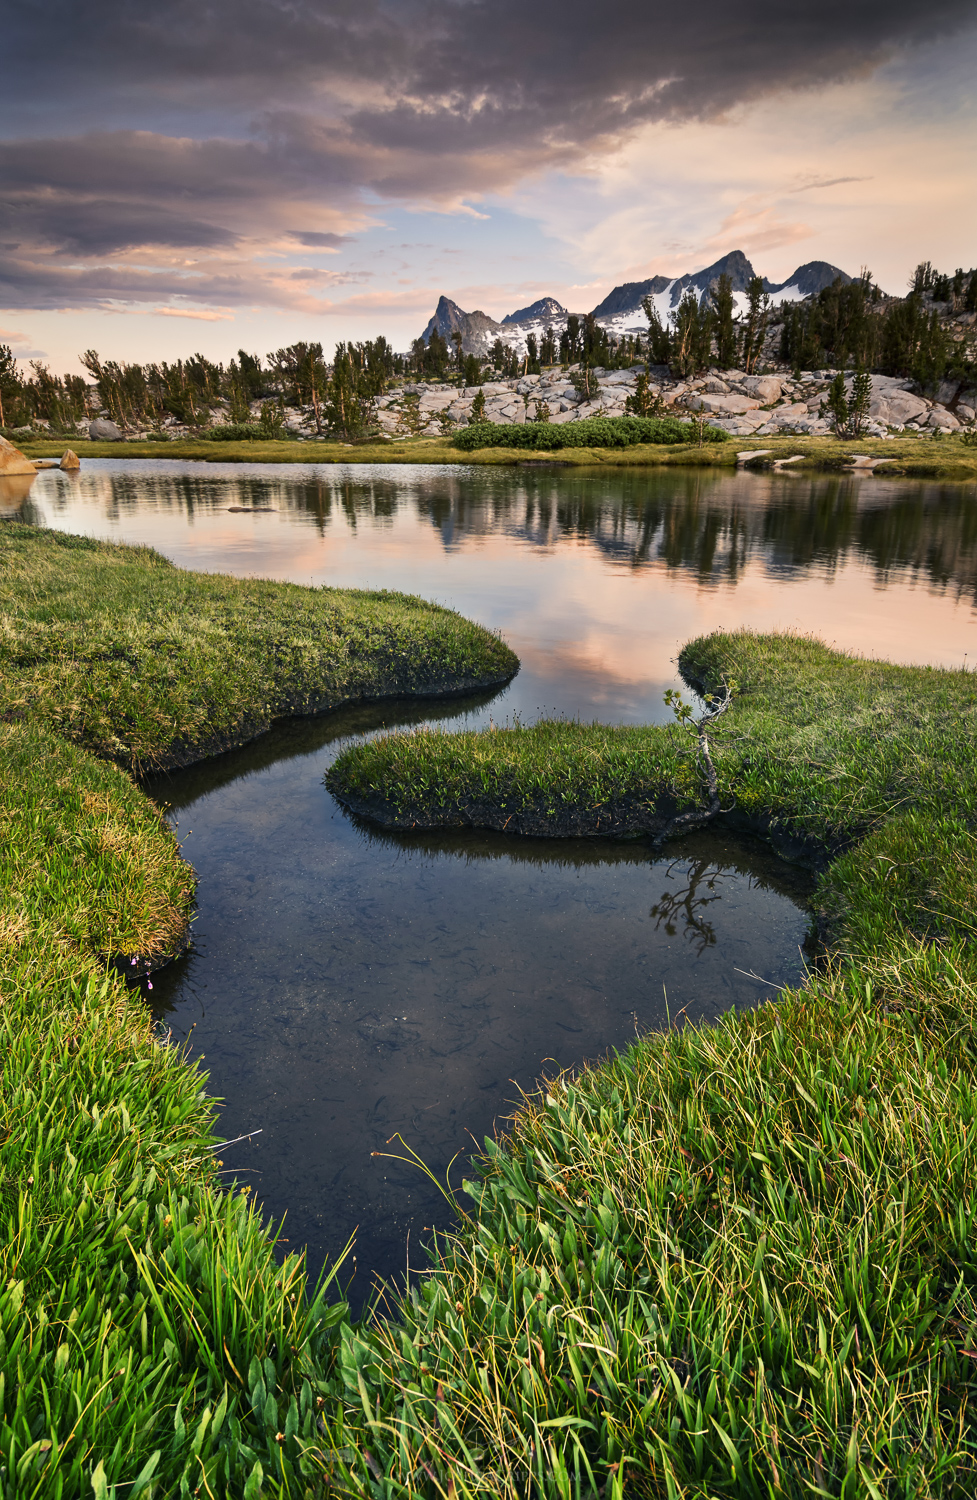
column 897, row 407
column 940, row 417
column 104, row 431
column 723, row 405
column 766, row 388
column 12, row 461
column 788, row 416
column 966, row 413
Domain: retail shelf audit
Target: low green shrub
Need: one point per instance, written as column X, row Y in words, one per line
column 592, row 432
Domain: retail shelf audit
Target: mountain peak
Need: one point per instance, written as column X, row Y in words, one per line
column 544, row 310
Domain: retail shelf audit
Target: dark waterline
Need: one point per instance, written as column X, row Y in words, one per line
column 345, row 987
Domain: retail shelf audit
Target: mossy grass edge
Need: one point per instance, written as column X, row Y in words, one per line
column 736, row 1260
column 152, row 1341
column 154, row 666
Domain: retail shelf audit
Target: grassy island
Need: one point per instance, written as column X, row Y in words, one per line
column 142, row 1309
column 740, row 1260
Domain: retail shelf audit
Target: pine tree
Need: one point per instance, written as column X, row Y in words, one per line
column 11, row 385
column 692, row 334
column 756, row 325
column 721, row 295
column 659, row 339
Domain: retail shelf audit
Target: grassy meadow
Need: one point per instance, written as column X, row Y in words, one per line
column 733, row 1263
column 152, row 1342
column 738, row 1260
column 154, row 666
column 912, row 454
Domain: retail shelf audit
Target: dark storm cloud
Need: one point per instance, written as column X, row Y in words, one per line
column 568, row 67
column 319, row 100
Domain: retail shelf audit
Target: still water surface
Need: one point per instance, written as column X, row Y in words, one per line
column 347, row 986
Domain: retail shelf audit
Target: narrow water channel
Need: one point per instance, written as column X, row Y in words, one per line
column 347, row 990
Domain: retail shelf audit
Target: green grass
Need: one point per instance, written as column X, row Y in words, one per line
column 736, row 1261
column 914, row 455
column 554, row 776
column 115, row 648
column 88, row 862
column 152, row 1341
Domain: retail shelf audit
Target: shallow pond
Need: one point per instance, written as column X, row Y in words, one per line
column 347, row 988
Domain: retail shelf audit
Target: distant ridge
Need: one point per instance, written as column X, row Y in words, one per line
column 810, row 279
column 479, row 331
column 628, row 298
column 546, row 308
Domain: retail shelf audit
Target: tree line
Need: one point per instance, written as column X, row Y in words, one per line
column 845, row 325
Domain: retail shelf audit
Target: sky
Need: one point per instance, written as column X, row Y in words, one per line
column 245, row 173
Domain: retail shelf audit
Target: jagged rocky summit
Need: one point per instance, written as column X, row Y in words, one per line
column 621, row 310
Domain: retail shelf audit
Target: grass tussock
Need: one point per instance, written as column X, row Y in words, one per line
column 115, row 648
column 738, row 1261
column 141, row 1309
column 732, row 1262
column 89, row 865
column 152, row 1342
column 525, row 779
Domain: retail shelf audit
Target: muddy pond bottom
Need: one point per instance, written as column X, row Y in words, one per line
column 354, row 993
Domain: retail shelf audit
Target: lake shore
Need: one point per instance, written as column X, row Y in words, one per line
column 768, row 1221
column 699, row 1170
column 914, row 456
column 120, row 1244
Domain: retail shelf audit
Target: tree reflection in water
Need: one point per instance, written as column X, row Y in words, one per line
column 684, row 906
